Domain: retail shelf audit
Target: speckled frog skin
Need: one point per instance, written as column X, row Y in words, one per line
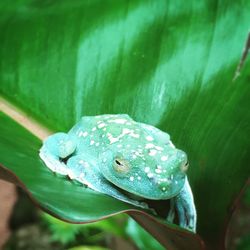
column 125, row 159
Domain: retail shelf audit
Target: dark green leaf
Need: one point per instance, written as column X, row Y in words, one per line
column 165, row 63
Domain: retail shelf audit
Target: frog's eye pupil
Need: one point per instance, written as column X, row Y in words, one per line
column 117, row 162
column 187, row 163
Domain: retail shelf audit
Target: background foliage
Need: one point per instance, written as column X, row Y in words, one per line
column 162, row 62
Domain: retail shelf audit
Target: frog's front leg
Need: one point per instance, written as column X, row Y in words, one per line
column 184, row 205
column 56, row 148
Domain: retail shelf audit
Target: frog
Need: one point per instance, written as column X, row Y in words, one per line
column 128, row 160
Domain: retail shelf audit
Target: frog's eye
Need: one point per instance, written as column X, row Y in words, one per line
column 184, row 167
column 121, row 166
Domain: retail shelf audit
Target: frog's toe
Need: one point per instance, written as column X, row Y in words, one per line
column 171, row 213
column 191, row 217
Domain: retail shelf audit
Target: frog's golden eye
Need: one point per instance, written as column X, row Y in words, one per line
column 184, row 167
column 121, row 166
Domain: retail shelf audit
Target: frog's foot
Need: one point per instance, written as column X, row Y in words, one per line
column 52, row 162
column 183, row 203
column 171, row 213
column 55, row 149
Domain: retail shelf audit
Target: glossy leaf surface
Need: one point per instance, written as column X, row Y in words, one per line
column 162, row 62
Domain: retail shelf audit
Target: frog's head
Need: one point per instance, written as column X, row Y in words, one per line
column 145, row 173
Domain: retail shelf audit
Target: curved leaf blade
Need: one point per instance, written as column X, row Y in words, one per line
column 176, row 62
column 65, row 199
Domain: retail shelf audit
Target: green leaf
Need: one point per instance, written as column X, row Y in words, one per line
column 63, row 198
column 88, row 248
column 141, row 238
column 162, row 62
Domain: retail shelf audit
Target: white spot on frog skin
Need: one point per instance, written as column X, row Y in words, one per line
column 158, row 171
column 171, row 177
column 85, row 134
column 92, row 142
column 128, row 146
column 94, row 129
column 119, row 145
column 113, row 140
column 81, row 133
column 134, row 156
column 126, row 131
column 118, row 121
column 164, row 158
column 97, row 144
column 139, row 178
column 176, row 182
column 146, row 169
column 149, row 138
column 134, row 135
column 159, row 148
column 101, row 125
column 131, row 178
column 116, row 139
column 150, row 175
column 164, row 180
column 104, row 160
column 149, row 145
column 138, row 154
column 104, row 129
column 163, row 189
column 152, row 152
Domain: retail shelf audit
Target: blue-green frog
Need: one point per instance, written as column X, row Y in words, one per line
column 128, row 160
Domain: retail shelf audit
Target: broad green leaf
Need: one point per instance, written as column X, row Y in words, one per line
column 65, row 199
column 238, row 230
column 165, row 63
column 88, row 248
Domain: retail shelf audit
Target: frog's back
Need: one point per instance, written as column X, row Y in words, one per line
column 96, row 133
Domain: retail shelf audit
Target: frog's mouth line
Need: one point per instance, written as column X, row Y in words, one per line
column 156, row 205
column 128, row 194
